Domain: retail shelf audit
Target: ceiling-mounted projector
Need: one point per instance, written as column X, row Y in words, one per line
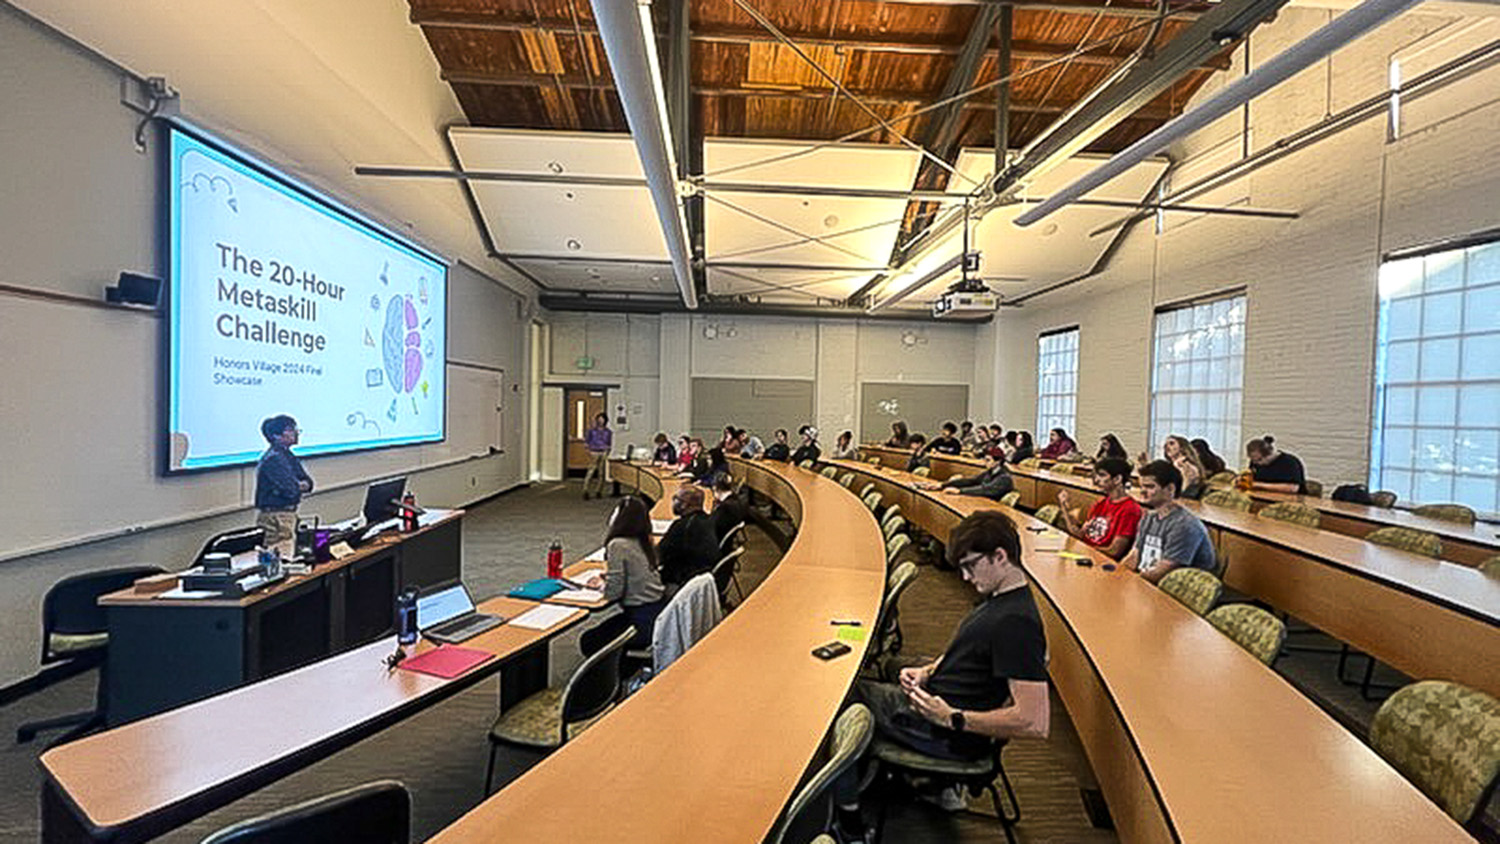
column 968, row 296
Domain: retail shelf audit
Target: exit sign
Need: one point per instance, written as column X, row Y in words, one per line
column 585, row 363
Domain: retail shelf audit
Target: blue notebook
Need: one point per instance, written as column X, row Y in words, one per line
column 537, row 590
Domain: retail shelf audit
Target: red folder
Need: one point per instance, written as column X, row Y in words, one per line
column 447, row 661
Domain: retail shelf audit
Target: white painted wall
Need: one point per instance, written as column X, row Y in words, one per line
column 1310, row 282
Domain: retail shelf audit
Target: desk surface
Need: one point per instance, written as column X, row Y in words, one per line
column 1229, row 747
column 724, row 735
column 129, row 597
column 158, row 764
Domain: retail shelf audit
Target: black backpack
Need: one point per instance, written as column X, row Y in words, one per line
column 1353, row 493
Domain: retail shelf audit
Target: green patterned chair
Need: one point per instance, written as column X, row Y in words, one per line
column 1252, row 628
column 1291, row 511
column 847, row 480
column 547, row 719
column 1231, row 499
column 1314, row 488
column 1408, row 539
column 891, row 512
column 873, row 501
column 806, row 464
column 922, row 471
column 1049, row 513
column 830, row 472
column 1445, row 738
column 812, row 807
column 873, row 460
column 1031, row 463
column 1221, row 480
column 865, row 491
column 1491, row 567
column 825, row 838
column 1195, row 588
column 1010, row 498
column 893, row 527
column 888, row 638
column 1446, row 512
column 894, row 546
column 1383, row 498
column 975, row 777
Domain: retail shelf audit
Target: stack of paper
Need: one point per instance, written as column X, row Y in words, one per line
column 596, row 556
column 542, row 617
column 660, row 525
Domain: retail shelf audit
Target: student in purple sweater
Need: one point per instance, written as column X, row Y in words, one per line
column 599, row 440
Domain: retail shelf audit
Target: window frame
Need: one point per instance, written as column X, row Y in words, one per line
column 1047, row 400
column 1225, row 430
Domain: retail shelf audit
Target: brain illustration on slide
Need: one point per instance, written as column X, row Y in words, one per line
column 404, row 350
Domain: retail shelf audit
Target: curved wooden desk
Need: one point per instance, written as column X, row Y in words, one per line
column 713, row 748
column 1192, row 739
column 1467, row 544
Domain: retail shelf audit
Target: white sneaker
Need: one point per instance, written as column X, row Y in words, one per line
column 952, row 799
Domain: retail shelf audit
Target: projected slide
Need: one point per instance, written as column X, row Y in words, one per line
column 281, row 303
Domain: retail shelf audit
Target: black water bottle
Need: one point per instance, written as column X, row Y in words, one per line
column 406, row 616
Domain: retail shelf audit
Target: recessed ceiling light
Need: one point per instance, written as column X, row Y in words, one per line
column 830, row 221
column 574, row 245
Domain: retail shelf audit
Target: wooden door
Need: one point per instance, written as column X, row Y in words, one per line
column 580, row 406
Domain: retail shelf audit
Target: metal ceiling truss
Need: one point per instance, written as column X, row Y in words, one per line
column 726, row 306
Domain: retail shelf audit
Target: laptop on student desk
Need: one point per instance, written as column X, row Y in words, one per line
column 445, row 613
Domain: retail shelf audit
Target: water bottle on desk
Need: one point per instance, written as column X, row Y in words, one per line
column 406, row 616
column 554, row 559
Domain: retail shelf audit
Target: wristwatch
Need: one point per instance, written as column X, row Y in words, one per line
column 956, row 720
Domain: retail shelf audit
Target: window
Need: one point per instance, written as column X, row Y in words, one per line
column 1436, row 429
column 1056, row 382
column 1198, row 379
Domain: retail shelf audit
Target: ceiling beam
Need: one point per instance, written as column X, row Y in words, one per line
column 1020, row 50
column 1090, row 7
column 873, row 97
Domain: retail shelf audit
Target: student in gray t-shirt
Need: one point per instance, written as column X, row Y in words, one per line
column 1168, row 536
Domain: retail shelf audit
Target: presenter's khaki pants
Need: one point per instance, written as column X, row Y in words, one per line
column 281, row 530
column 598, row 470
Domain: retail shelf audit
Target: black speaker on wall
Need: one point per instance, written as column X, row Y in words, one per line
column 135, row 289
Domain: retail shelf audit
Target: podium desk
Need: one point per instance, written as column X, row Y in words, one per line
column 164, row 652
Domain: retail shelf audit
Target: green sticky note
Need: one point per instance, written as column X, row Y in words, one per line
column 851, row 634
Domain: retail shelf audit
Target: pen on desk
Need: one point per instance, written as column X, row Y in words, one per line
column 853, row 622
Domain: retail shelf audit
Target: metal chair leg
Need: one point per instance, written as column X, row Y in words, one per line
column 489, row 771
column 1005, row 822
column 28, row 731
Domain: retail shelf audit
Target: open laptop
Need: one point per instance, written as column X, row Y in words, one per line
column 445, row 613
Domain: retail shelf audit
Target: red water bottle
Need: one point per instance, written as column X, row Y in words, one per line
column 409, row 512
column 554, row 559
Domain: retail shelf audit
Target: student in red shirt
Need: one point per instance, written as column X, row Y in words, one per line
column 1111, row 523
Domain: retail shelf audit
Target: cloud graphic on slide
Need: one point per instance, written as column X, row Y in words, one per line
column 206, row 182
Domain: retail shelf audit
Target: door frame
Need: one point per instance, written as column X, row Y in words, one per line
column 565, row 386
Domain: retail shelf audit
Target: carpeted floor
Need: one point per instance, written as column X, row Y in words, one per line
column 441, row 753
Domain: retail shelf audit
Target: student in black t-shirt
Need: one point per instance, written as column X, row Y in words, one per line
column 809, row 449
column 1275, row 470
column 689, row 546
column 779, row 450
column 991, row 682
column 729, row 509
column 948, row 441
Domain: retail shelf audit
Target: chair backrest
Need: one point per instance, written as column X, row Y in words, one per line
column 1408, row 539
column 873, row 501
column 895, row 545
column 830, row 472
column 1254, row 629
column 734, row 536
column 1383, row 498
column 922, row 471
column 1445, row 738
column 1010, row 498
column 1220, row 480
column 1031, row 463
column 1197, row 589
column 847, row 480
column 893, row 527
column 1446, row 512
column 1231, row 499
column 890, row 513
column 1491, row 567
column 373, row 813
column 71, row 606
column 1314, row 488
column 724, row 569
column 806, row 464
column 1049, row 513
column 595, row 684
column 873, row 460
column 890, row 610
column 866, row 490
column 1291, row 511
column 688, row 617
column 851, row 735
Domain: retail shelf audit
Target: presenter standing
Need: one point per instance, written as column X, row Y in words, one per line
column 280, row 483
column 599, row 440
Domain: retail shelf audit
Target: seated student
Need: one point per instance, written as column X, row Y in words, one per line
column 1185, row 458
column 1022, row 450
column 947, row 442
column 809, row 449
column 1213, row 464
column 730, row 442
column 919, row 456
column 1058, row 444
column 729, row 509
column 990, row 683
column 1112, row 522
column 665, row 454
column 993, row 483
column 995, row 446
column 900, row 437
column 708, row 470
column 1109, row 446
column 631, row 575
column 1275, row 470
column 844, row 447
column 968, row 438
column 750, row 445
column 779, row 450
column 698, row 463
column 685, row 452
column 689, row 547
column 1168, row 536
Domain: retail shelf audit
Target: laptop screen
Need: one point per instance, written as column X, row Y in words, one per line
column 438, row 606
